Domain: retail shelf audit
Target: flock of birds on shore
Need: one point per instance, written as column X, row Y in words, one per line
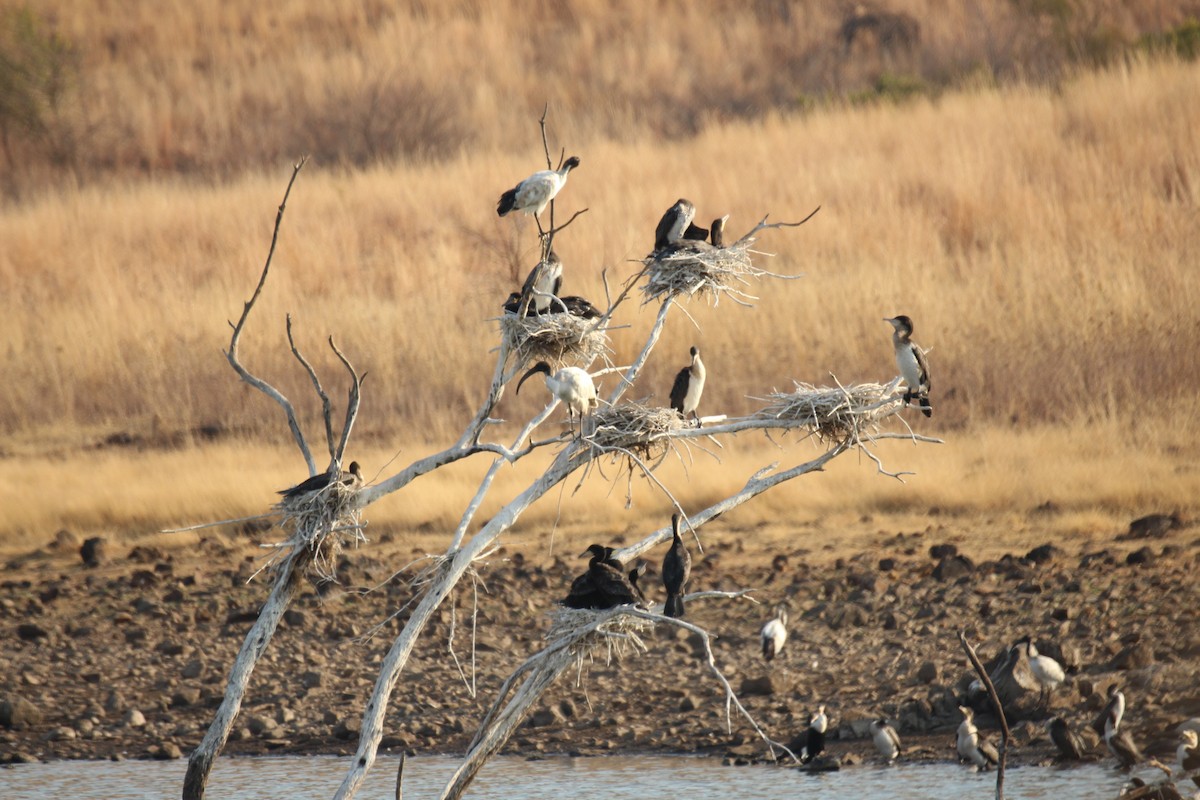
column 608, row 583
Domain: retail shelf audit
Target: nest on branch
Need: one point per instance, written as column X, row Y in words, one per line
column 322, row 522
column 838, row 412
column 558, row 339
column 692, row 268
column 617, row 634
column 642, row 430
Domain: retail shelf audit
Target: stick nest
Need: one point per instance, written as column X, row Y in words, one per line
column 558, row 339
column 322, row 522
column 641, row 429
column 617, row 634
column 698, row 268
column 835, row 413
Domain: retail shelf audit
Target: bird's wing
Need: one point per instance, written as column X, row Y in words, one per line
column 679, row 389
column 923, row 367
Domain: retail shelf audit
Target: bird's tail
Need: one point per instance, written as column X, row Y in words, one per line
column 674, row 606
column 508, row 202
column 926, row 409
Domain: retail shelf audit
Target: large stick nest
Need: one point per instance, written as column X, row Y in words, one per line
column 322, row 521
column 692, row 268
column 558, row 339
column 834, row 413
column 633, row 427
column 616, row 634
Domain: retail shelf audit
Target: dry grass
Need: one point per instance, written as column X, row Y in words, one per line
column 995, row 488
column 215, row 88
column 1042, row 241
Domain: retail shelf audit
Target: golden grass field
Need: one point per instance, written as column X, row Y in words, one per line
column 1043, row 238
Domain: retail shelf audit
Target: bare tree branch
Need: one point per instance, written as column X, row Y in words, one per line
column 991, row 690
column 352, row 402
column 326, row 406
column 232, row 354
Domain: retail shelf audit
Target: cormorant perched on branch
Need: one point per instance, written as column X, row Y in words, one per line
column 910, row 359
column 604, row 585
column 676, row 570
column 689, row 386
column 318, row 482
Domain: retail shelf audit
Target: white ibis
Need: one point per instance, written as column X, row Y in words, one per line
column 774, row 634
column 887, row 741
column 910, row 359
column 970, row 746
column 542, row 286
column 1070, row 746
column 1120, row 743
column 1046, row 671
column 689, row 386
column 676, row 570
column 533, row 194
column 318, row 482
column 571, row 385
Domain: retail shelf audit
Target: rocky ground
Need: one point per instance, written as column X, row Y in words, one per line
column 128, row 656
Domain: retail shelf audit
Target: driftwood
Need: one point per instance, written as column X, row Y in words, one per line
column 324, row 522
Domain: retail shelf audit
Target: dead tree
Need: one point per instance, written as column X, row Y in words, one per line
column 842, row 418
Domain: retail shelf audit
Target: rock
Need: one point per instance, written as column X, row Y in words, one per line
column 64, row 541
column 17, row 713
column 347, row 728
column 193, row 669
column 63, row 733
column 688, row 703
column 1043, row 553
column 31, row 632
column 310, row 679
column 1143, row 555
column 260, row 725
column 941, row 551
column 953, row 567
column 928, row 672
column 134, row 719
column 568, row 709
column 1135, row 656
column 1152, row 526
column 94, row 551
column 114, row 702
column 887, row 564
column 763, row 685
column 165, row 751
column 544, row 717
column 823, row 763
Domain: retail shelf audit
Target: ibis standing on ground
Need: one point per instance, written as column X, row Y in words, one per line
column 676, row 570
column 1046, row 671
column 910, row 359
column 571, row 385
column 774, row 634
column 689, row 386
column 533, row 194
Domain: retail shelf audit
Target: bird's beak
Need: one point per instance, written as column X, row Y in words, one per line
column 524, row 378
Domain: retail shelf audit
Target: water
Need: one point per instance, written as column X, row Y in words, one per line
column 511, row 778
